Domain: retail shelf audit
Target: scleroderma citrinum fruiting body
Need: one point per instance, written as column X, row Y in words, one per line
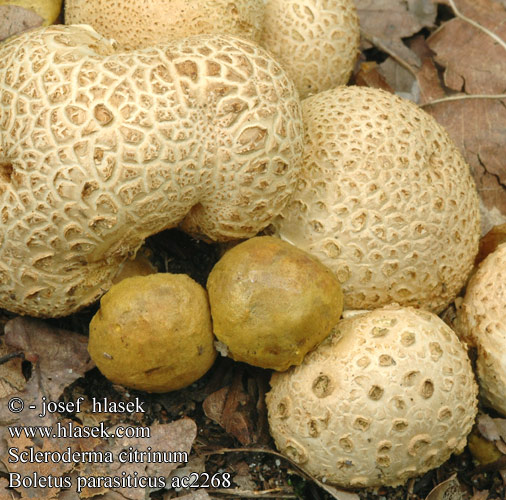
column 271, row 302
column 153, row 333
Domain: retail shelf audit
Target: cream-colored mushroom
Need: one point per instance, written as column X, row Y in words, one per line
column 101, row 148
column 316, row 41
column 387, row 396
column 481, row 320
column 385, row 199
column 141, row 23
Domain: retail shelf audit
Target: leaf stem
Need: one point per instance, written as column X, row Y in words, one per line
column 460, row 97
column 499, row 40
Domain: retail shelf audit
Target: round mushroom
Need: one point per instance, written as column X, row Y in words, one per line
column 136, row 24
column 153, row 333
column 100, row 148
column 271, row 302
column 387, row 396
column 385, row 199
column 316, row 41
column 481, row 320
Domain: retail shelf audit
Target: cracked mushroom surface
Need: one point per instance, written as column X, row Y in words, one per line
column 481, row 321
column 387, row 396
column 385, row 200
column 141, row 23
column 316, row 41
column 101, row 148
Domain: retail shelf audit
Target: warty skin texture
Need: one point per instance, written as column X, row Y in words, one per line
column 101, row 148
column 142, row 23
column 316, row 41
column 481, row 321
column 384, row 199
column 387, row 396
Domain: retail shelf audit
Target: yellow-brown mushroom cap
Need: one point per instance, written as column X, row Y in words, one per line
column 153, row 333
column 272, row 302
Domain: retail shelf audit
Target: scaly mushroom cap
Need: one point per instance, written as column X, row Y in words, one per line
column 385, row 199
column 100, row 149
column 316, row 41
column 389, row 395
column 142, row 23
column 482, row 322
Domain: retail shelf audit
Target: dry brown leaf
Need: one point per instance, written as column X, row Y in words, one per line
column 40, row 469
column 447, row 490
column 62, row 355
column 6, row 494
column 227, row 407
column 476, row 64
column 492, row 429
column 369, row 76
column 15, row 19
column 490, row 242
column 477, row 128
column 61, row 359
column 174, row 437
column 400, row 79
column 473, row 61
column 239, row 407
column 391, row 20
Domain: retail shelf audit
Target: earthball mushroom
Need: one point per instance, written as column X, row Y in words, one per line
column 385, row 200
column 481, row 320
column 153, row 333
column 387, row 396
column 271, row 302
column 101, row 148
column 139, row 23
column 316, row 41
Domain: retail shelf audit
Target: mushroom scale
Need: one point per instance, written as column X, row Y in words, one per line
column 100, row 149
column 387, row 396
column 142, row 23
column 481, row 321
column 316, row 41
column 385, row 200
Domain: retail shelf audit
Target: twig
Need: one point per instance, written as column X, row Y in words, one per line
column 384, row 48
column 462, row 97
column 457, row 12
column 238, row 493
column 12, row 355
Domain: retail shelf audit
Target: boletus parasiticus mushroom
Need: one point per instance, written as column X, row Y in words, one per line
column 271, row 302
